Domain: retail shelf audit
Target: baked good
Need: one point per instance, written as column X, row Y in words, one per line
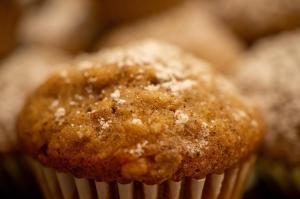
column 188, row 25
column 258, row 18
column 9, row 18
column 69, row 24
column 20, row 73
column 138, row 116
column 273, row 64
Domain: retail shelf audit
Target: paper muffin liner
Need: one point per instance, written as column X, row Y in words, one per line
column 228, row 185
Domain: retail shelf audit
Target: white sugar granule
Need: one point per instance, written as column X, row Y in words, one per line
column 104, row 124
column 152, row 87
column 72, row 103
column 59, row 115
column 54, row 104
column 239, row 115
column 78, row 97
column 176, row 86
column 139, row 150
column 181, row 117
column 136, row 121
column 116, row 97
column 92, row 79
column 85, row 65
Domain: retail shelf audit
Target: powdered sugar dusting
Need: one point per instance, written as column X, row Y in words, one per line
column 59, row 115
column 181, row 117
column 104, row 124
column 54, row 104
column 239, row 114
column 116, row 97
column 139, row 149
column 176, row 86
column 83, row 65
column 172, row 66
column 195, row 148
column 136, row 121
column 152, row 87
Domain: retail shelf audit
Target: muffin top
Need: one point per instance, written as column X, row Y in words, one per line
column 145, row 112
column 258, row 18
column 273, row 64
column 20, row 73
column 188, row 25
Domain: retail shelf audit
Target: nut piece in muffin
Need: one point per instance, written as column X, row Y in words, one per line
column 9, row 18
column 258, row 18
column 274, row 65
column 69, row 24
column 188, row 25
column 146, row 112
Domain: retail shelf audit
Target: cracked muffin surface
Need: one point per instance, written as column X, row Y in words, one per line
column 146, row 112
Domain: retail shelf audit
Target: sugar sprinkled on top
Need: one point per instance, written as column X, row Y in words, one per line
column 54, row 104
column 84, row 65
column 136, row 121
column 176, row 86
column 139, row 150
column 59, row 115
column 116, row 97
column 168, row 61
column 152, row 87
column 181, row 117
column 104, row 124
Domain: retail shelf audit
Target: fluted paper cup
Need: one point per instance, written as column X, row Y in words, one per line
column 228, row 185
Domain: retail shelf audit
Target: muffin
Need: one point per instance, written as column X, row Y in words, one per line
column 20, row 73
column 190, row 26
column 145, row 120
column 123, row 11
column 70, row 24
column 274, row 65
column 9, row 17
column 255, row 19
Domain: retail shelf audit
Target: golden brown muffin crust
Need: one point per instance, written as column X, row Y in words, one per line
column 146, row 112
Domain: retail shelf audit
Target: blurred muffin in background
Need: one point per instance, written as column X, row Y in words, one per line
column 189, row 26
column 9, row 18
column 25, row 4
column 270, row 74
column 69, row 24
column 258, row 18
column 121, row 11
column 20, row 73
